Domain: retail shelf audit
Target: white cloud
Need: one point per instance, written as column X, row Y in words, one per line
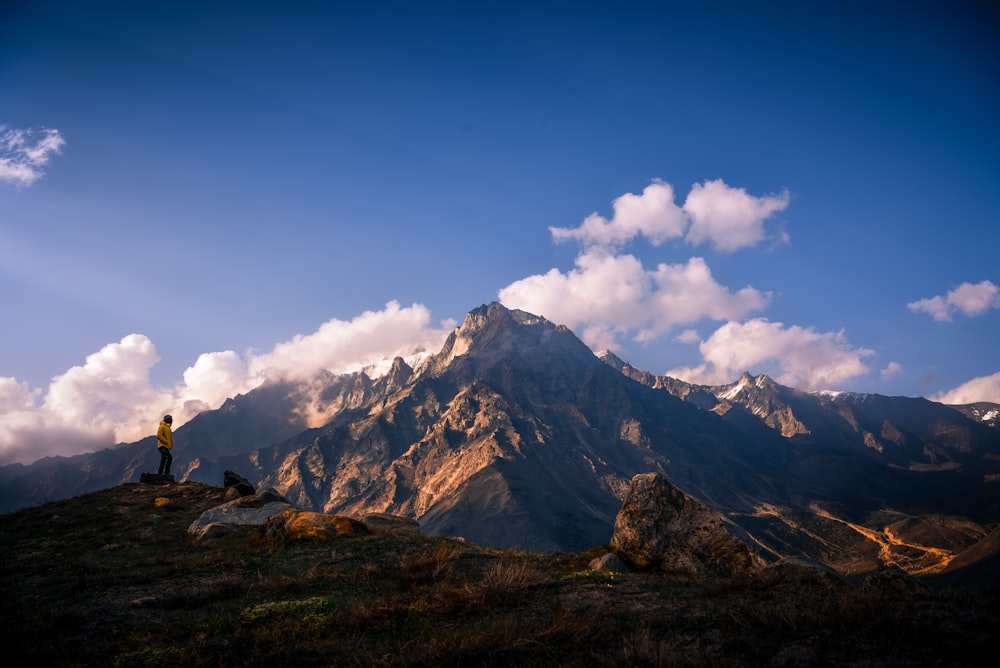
column 607, row 296
column 688, row 293
column 84, row 407
column 25, row 153
column 891, row 370
column 652, row 214
column 110, row 398
column 214, row 378
column 339, row 346
column 972, row 300
column 688, row 336
column 795, row 356
column 15, row 396
column 110, row 391
column 983, row 388
column 727, row 218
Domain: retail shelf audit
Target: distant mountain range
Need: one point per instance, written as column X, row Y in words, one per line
column 516, row 435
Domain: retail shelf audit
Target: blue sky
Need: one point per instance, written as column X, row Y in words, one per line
column 195, row 197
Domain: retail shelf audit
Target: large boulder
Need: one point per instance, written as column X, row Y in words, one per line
column 239, row 513
column 661, row 527
column 296, row 525
column 608, row 563
column 386, row 523
column 237, row 483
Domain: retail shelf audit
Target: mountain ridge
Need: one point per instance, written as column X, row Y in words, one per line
column 515, row 434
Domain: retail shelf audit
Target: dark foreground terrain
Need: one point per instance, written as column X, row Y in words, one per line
column 112, row 579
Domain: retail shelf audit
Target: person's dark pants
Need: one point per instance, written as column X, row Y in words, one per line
column 165, row 460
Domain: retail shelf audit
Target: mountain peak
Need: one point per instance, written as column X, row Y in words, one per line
column 612, row 360
column 496, row 314
column 494, row 330
column 399, row 373
column 746, row 384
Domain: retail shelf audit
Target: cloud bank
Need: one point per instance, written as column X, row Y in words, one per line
column 109, row 398
column 972, row 300
column 792, row 355
column 24, row 154
column 607, row 296
column 984, row 388
column 610, row 295
column 726, row 218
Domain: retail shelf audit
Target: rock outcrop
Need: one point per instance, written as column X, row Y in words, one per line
column 292, row 525
column 659, row 526
column 385, row 523
column 608, row 563
column 241, row 512
column 283, row 521
column 238, row 484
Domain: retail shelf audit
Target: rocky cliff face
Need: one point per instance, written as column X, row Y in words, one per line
column 514, row 435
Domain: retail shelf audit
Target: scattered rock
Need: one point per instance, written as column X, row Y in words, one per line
column 608, row 563
column 659, row 526
column 385, row 523
column 241, row 512
column 163, row 503
column 233, row 480
column 307, row 525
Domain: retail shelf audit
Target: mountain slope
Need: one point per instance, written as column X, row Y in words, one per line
column 271, row 413
column 515, row 434
column 112, row 579
column 902, row 480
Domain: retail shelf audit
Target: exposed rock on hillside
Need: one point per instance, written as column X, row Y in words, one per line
column 296, row 524
column 659, row 526
column 239, row 485
column 385, row 523
column 240, row 512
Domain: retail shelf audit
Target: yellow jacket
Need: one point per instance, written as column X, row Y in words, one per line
column 164, row 437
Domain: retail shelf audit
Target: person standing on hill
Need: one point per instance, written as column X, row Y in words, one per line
column 165, row 443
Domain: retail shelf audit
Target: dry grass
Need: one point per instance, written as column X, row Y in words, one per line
column 110, row 579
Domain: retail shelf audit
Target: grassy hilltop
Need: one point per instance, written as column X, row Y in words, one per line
column 112, row 579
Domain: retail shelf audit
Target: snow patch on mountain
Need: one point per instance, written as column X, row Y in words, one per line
column 829, row 394
column 735, row 390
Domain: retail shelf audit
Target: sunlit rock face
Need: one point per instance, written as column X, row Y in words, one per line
column 516, row 434
column 661, row 527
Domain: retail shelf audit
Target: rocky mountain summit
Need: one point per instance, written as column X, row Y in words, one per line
column 516, row 435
